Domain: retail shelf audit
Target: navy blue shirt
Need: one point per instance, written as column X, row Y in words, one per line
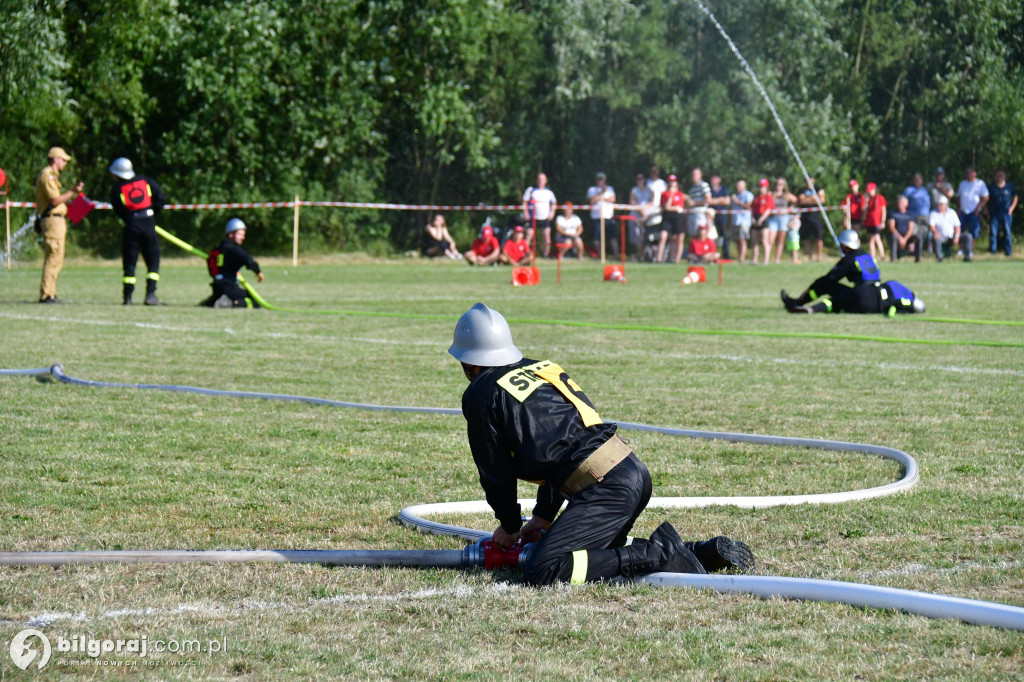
column 1000, row 198
column 902, row 221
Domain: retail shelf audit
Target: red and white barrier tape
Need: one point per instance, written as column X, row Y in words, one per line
column 390, row 207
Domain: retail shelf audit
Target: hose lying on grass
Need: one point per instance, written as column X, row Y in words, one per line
column 872, row 596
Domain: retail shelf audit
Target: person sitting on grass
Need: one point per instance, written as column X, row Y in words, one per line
column 437, row 242
column 515, row 250
column 224, row 262
column 485, row 249
column 888, row 298
column 702, row 249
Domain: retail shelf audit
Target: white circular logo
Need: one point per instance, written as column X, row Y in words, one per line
column 22, row 654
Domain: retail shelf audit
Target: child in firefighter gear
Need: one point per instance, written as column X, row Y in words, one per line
column 224, row 262
column 137, row 200
column 856, row 266
column 528, row 420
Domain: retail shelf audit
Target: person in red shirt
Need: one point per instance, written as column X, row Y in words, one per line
column 673, row 201
column 874, row 220
column 853, row 206
column 702, row 249
column 760, row 211
column 485, row 249
column 515, row 249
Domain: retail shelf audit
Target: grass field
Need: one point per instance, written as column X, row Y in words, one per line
column 109, row 468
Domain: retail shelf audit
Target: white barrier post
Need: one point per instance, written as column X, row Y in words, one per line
column 295, row 234
column 7, row 212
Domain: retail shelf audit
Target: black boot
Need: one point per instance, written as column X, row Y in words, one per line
column 128, row 289
column 151, row 298
column 664, row 551
column 720, row 553
column 790, row 303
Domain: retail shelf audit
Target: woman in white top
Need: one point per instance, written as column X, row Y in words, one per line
column 778, row 224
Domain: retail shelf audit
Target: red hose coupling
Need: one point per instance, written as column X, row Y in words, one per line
column 495, row 558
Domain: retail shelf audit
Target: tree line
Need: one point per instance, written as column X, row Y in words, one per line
column 461, row 101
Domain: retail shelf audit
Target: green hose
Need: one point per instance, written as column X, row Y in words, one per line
column 630, row 327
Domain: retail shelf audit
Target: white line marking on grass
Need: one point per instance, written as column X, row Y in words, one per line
column 248, row 605
column 921, row 569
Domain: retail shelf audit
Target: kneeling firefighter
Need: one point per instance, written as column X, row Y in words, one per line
column 528, row 420
column 224, row 262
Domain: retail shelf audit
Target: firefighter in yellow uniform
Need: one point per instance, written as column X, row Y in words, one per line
column 52, row 205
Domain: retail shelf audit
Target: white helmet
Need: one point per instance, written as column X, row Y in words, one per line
column 233, row 225
column 849, row 239
column 122, row 168
column 482, row 338
column 918, row 304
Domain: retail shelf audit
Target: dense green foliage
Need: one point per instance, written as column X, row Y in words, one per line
column 455, row 101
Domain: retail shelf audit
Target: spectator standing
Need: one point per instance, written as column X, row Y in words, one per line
column 812, row 225
column 875, row 209
column 602, row 209
column 946, row 232
column 673, row 203
column 972, row 195
column 778, row 224
column 1002, row 202
column 657, row 185
column 485, row 249
column 919, row 207
column 52, row 206
column 903, row 232
column 516, row 250
column 939, row 188
column 700, row 196
column 720, row 199
column 138, row 201
column 741, row 201
column 539, row 206
column 853, row 205
column 641, row 197
column 436, row 240
column 760, row 212
column 569, row 229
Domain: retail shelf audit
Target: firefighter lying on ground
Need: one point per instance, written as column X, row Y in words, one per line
column 868, row 293
column 528, row 420
column 224, row 262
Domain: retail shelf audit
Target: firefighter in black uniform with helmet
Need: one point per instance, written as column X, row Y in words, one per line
column 224, row 262
column 528, row 420
column 137, row 200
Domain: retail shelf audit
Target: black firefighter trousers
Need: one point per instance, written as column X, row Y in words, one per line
column 580, row 545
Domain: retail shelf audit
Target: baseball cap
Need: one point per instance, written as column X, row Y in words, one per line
column 672, row 178
column 601, row 176
column 853, row 182
column 763, row 182
column 940, row 171
column 943, row 199
column 487, row 231
column 58, row 153
column 872, row 187
column 518, row 228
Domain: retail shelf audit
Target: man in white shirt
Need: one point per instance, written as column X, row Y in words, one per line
column 539, row 205
column 602, row 207
column 945, row 227
column 972, row 195
column 569, row 229
column 700, row 195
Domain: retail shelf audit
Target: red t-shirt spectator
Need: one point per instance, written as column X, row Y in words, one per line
column 516, row 250
column 486, row 243
column 670, row 198
column 873, row 213
column 762, row 203
column 856, row 203
column 702, row 247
